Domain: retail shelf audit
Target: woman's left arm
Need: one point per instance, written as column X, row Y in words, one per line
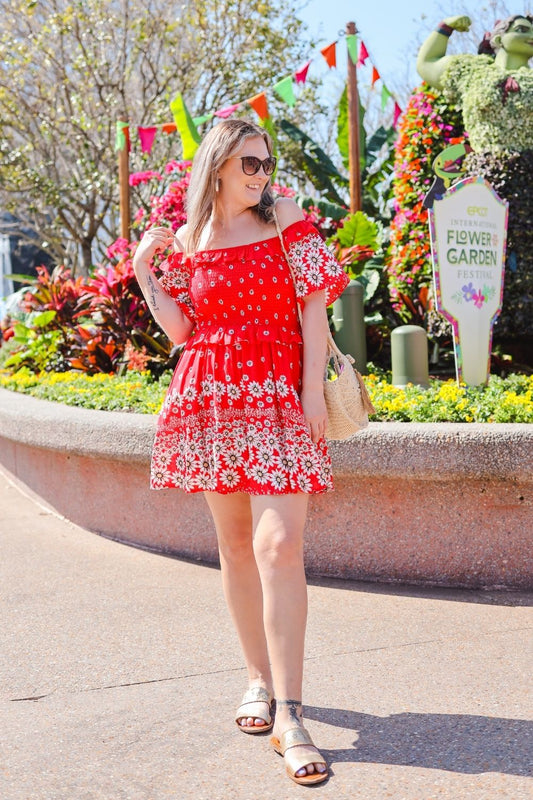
column 314, row 335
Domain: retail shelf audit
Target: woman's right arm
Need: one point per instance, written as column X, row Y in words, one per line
column 432, row 59
column 165, row 310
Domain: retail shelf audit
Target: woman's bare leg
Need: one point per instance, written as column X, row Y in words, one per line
column 278, row 545
column 241, row 584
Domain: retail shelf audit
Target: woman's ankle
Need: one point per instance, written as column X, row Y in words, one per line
column 289, row 712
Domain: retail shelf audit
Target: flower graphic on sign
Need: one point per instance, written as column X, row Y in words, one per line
column 473, row 295
column 468, row 292
column 478, row 298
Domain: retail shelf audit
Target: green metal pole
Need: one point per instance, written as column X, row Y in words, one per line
column 349, row 323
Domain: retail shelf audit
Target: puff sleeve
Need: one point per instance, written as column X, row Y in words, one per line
column 312, row 264
column 175, row 280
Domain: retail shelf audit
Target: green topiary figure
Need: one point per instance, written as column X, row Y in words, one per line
column 495, row 91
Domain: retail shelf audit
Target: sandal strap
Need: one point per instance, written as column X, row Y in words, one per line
column 256, row 694
column 295, row 737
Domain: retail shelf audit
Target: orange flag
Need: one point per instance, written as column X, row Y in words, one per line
column 259, row 104
column 375, row 75
column 330, row 54
column 169, row 127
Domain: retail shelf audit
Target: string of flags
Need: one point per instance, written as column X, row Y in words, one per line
column 187, row 126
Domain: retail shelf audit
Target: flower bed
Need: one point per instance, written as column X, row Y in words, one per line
column 502, row 400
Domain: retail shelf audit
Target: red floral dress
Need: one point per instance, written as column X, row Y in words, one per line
column 232, row 418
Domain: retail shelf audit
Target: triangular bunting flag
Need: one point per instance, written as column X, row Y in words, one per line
column 300, row 75
column 363, row 54
column 259, row 104
column 397, row 112
column 375, row 76
column 147, row 136
column 351, row 43
column 224, row 113
column 190, row 138
column 169, row 127
column 200, row 120
column 284, row 89
column 330, row 54
column 123, row 136
column 385, row 94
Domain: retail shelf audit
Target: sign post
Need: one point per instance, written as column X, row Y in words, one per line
column 468, row 229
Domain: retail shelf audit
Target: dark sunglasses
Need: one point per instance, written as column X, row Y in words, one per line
column 251, row 164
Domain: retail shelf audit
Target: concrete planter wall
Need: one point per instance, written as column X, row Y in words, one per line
column 444, row 504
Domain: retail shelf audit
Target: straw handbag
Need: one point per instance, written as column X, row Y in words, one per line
column 347, row 401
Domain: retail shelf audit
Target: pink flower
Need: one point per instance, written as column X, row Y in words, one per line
column 118, row 249
column 144, row 177
column 478, row 299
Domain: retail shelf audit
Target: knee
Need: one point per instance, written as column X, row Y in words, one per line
column 236, row 547
column 278, row 550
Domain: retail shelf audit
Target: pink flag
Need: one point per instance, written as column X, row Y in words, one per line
column 227, row 112
column 363, row 54
column 147, row 136
column 397, row 112
column 300, row 75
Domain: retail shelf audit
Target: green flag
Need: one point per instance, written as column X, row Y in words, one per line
column 385, row 94
column 200, row 120
column 351, row 43
column 284, row 89
column 120, row 141
column 190, row 138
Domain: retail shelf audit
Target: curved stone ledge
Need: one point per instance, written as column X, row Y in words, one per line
column 445, row 504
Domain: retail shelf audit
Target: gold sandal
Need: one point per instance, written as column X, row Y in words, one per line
column 295, row 737
column 257, row 694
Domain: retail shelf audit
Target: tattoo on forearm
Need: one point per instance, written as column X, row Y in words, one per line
column 153, row 292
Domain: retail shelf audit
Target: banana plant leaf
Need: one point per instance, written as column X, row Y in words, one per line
column 318, row 167
column 343, row 135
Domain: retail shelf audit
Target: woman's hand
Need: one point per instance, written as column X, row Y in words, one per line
column 154, row 239
column 314, row 408
column 163, row 308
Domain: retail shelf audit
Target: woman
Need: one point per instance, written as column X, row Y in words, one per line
column 495, row 92
column 244, row 417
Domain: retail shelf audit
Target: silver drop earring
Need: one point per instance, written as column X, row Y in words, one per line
column 217, row 184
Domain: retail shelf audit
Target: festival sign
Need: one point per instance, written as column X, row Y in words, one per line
column 468, row 229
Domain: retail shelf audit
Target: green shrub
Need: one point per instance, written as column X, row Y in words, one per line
column 502, row 400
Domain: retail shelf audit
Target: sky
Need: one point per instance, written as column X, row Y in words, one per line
column 391, row 30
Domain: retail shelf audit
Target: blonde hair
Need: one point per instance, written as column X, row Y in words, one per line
column 217, row 146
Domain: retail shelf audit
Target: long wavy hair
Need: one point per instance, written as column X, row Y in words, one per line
column 488, row 45
column 221, row 142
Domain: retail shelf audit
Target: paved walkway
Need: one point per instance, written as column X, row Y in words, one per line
column 120, row 672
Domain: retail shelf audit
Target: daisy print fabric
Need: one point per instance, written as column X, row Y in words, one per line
column 232, row 418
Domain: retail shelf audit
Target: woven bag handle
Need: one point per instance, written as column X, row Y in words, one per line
column 286, row 258
column 333, row 351
column 332, row 347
